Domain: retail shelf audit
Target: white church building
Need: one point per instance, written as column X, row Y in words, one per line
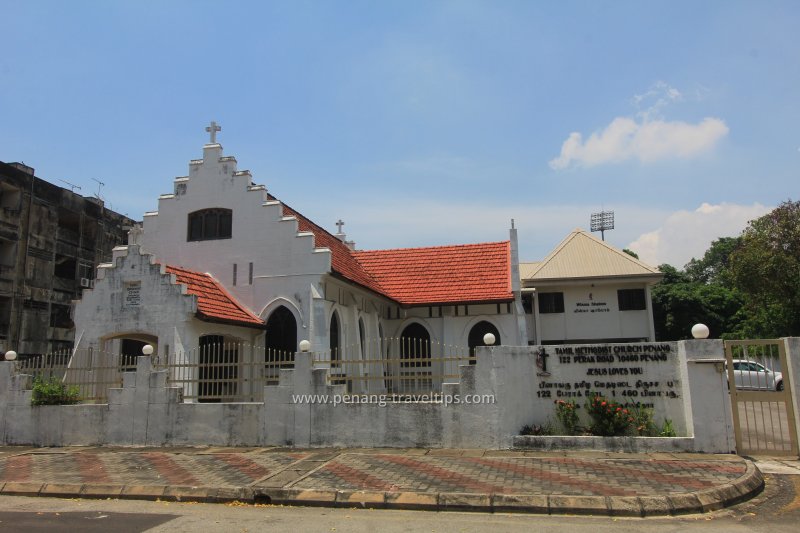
column 224, row 272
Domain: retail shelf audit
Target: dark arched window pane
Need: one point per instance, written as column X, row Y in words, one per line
column 334, row 337
column 415, row 346
column 476, row 336
column 281, row 339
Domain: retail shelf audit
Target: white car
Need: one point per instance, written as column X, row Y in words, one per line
column 752, row 375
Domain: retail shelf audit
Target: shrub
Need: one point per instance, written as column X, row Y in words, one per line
column 667, row 430
column 537, row 429
column 643, row 424
column 53, row 392
column 609, row 418
column 567, row 415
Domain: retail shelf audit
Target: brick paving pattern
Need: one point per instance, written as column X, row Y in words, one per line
column 145, row 467
column 418, row 471
column 520, row 475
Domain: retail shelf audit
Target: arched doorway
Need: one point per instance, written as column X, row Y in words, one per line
column 415, row 359
column 476, row 337
column 127, row 347
column 415, row 346
column 281, row 340
column 218, row 359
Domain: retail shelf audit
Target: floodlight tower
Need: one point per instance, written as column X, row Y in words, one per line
column 602, row 221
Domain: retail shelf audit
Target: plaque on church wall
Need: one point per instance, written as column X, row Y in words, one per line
column 635, row 372
column 133, row 297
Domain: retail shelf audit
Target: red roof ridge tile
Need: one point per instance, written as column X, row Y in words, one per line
column 437, row 247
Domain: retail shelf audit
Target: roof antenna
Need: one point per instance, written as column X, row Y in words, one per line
column 70, row 184
column 512, row 223
column 99, row 185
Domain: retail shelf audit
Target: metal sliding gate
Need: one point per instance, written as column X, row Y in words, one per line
column 760, row 392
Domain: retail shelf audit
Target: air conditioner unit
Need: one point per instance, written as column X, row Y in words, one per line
column 86, row 282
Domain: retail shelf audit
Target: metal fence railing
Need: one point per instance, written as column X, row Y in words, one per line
column 396, row 367
column 225, row 372
column 761, row 398
column 237, row 372
column 93, row 372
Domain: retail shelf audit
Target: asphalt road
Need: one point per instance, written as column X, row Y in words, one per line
column 776, row 509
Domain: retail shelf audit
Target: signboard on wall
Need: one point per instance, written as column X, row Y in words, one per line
column 646, row 373
column 133, row 294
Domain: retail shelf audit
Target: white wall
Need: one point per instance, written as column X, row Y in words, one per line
column 147, row 412
column 165, row 311
column 584, row 319
column 285, row 262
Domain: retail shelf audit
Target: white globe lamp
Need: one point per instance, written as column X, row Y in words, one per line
column 489, row 339
column 11, row 355
column 147, row 349
column 305, row 346
column 700, row 331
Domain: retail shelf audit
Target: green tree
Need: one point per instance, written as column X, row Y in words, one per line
column 714, row 266
column 765, row 267
column 679, row 303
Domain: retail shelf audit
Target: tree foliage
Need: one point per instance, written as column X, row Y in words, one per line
column 679, row 303
column 742, row 287
column 766, row 269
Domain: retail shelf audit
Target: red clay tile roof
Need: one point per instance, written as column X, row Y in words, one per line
column 213, row 301
column 342, row 260
column 417, row 276
column 443, row 274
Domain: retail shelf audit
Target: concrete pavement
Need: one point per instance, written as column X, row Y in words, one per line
column 434, row 479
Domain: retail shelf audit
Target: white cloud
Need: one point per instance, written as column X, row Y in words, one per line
column 648, row 137
column 687, row 234
column 647, row 141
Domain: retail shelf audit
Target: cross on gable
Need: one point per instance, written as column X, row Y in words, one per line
column 213, row 129
column 339, row 225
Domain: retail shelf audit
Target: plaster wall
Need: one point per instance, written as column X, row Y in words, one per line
column 285, row 261
column 591, row 311
column 506, row 380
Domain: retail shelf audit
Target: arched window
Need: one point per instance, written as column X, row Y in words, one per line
column 333, row 335
column 281, row 340
column 476, row 336
column 209, row 224
column 361, row 338
column 415, row 346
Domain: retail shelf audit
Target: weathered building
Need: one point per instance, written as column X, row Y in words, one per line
column 51, row 241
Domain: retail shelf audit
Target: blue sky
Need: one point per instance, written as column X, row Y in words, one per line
column 423, row 122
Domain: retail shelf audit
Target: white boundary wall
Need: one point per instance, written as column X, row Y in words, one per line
column 145, row 411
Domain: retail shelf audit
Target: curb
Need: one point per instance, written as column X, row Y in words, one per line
column 747, row 486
